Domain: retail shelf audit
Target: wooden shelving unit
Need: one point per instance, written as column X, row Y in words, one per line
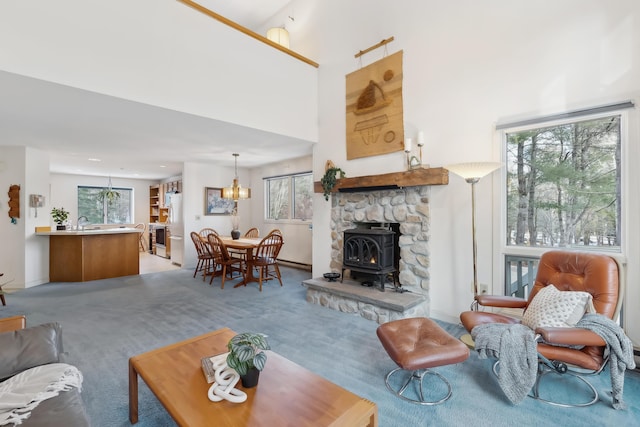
column 154, row 203
column 159, row 212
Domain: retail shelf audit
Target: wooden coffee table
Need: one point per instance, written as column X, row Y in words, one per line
column 286, row 391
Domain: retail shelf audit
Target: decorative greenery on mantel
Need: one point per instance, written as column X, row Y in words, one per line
column 329, row 180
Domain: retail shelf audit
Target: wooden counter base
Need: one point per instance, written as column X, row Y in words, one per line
column 84, row 257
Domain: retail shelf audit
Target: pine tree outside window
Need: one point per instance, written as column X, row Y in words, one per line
column 563, row 186
column 104, row 210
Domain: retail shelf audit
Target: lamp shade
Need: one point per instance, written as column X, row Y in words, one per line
column 235, row 191
column 279, row 35
column 473, row 170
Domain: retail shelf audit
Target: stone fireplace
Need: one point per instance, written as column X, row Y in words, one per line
column 409, row 208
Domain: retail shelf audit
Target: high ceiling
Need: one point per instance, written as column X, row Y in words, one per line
column 129, row 139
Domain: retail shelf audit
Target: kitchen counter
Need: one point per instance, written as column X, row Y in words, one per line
column 92, row 254
column 89, row 231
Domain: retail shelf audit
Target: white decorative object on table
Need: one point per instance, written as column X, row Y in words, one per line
column 226, row 379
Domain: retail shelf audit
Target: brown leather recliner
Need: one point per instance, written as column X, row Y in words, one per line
column 568, row 271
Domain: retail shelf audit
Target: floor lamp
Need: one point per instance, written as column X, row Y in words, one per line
column 472, row 173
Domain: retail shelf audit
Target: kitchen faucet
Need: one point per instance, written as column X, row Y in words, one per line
column 82, row 221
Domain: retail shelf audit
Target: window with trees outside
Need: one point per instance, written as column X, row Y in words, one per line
column 563, row 186
column 289, row 197
column 103, row 205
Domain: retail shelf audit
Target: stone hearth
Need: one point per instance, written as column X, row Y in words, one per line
column 370, row 303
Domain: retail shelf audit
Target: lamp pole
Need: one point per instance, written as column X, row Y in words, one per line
column 473, row 182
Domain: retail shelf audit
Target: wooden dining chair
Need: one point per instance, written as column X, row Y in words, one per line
column 273, row 232
column 143, row 234
column 204, row 233
column 206, row 263
column 252, row 233
column 222, row 258
column 267, row 255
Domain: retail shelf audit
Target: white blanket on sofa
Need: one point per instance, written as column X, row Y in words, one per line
column 20, row 394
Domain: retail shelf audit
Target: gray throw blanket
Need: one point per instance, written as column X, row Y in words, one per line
column 22, row 393
column 620, row 351
column 514, row 345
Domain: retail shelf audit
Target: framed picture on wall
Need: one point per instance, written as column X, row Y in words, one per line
column 214, row 204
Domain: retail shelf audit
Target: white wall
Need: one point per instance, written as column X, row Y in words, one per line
column 467, row 64
column 195, row 178
column 12, row 172
column 296, row 234
column 163, row 53
column 64, row 193
column 36, row 252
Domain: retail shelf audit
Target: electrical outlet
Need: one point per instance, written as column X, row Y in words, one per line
column 483, row 288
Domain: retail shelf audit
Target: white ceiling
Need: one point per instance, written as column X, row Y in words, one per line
column 130, row 139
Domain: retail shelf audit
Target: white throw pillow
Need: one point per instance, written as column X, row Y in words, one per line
column 559, row 309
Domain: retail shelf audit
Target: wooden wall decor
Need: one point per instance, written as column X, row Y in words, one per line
column 14, row 201
column 374, row 111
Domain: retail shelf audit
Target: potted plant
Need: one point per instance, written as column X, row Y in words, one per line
column 108, row 194
column 246, row 356
column 329, row 179
column 59, row 217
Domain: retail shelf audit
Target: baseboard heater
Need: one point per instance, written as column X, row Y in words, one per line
column 295, row 264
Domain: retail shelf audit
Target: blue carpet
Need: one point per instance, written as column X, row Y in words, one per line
column 105, row 322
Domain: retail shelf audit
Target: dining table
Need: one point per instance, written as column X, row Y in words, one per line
column 247, row 244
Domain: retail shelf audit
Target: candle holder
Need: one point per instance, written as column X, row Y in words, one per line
column 420, row 144
column 407, row 151
column 408, row 154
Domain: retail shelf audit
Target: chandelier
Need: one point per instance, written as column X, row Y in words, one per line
column 235, row 192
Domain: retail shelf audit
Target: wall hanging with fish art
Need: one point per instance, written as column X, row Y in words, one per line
column 374, row 108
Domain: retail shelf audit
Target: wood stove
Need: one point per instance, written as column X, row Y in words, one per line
column 369, row 251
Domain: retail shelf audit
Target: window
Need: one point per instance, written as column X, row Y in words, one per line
column 99, row 208
column 563, row 184
column 289, row 197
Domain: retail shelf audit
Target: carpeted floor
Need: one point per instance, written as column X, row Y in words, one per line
column 106, row 322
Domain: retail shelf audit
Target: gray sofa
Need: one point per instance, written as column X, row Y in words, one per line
column 22, row 349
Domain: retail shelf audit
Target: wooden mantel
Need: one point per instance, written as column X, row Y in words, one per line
column 410, row 178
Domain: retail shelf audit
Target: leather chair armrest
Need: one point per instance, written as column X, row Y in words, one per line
column 501, row 301
column 570, row 336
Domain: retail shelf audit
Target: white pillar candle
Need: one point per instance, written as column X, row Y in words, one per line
column 420, row 139
column 407, row 144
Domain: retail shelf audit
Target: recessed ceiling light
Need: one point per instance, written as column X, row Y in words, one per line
column 162, row 166
column 93, row 159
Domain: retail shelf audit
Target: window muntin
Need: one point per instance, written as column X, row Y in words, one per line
column 564, row 184
column 100, row 210
column 289, row 197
